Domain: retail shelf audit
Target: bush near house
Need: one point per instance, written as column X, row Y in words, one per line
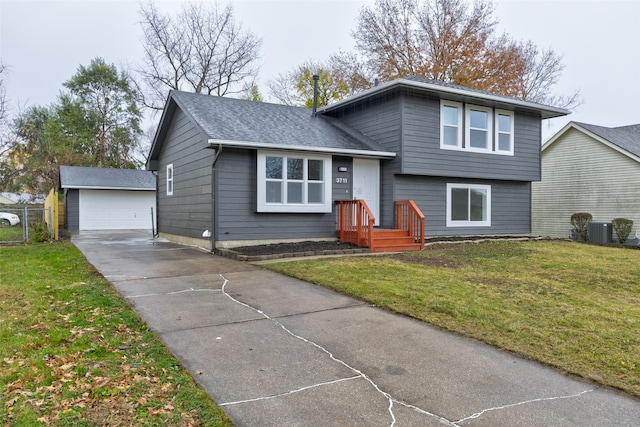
column 580, row 222
column 622, row 228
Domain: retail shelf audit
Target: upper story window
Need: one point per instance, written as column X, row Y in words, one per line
column 504, row 132
column 293, row 182
column 475, row 128
column 478, row 129
column 170, row 180
column 451, row 125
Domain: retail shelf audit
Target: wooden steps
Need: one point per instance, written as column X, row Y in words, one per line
column 356, row 225
column 393, row 241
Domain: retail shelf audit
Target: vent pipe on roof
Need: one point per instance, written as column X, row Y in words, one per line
column 315, row 95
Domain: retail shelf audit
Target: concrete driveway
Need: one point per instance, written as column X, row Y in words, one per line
column 275, row 351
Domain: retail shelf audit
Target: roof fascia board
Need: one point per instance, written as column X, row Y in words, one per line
column 607, row 143
column 551, row 112
column 167, row 113
column 171, row 106
column 573, row 125
column 97, row 187
column 558, row 134
column 326, row 150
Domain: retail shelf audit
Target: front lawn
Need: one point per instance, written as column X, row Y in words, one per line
column 73, row 352
column 573, row 306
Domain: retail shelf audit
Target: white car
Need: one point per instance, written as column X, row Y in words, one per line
column 8, row 219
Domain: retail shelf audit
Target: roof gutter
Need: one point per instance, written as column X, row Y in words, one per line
column 323, row 150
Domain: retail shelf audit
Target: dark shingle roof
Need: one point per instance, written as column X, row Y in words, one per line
column 229, row 119
column 625, row 137
column 102, row 178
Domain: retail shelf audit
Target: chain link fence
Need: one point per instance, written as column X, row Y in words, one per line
column 33, row 225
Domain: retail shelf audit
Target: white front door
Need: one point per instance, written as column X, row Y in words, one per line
column 366, row 184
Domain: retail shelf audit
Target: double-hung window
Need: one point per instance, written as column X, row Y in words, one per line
column 504, row 132
column 451, row 125
column 468, row 205
column 170, row 179
column 293, row 182
column 478, row 128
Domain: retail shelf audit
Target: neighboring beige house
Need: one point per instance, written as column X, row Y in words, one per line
column 588, row 168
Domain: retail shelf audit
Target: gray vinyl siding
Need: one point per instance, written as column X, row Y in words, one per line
column 236, row 200
column 408, row 123
column 422, row 154
column 381, row 121
column 188, row 211
column 72, row 210
column 510, row 205
column 342, row 190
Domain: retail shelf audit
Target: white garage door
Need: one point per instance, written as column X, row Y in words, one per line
column 116, row 210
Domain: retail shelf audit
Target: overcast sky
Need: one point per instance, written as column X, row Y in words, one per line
column 44, row 41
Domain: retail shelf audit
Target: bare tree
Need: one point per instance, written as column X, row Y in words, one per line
column 455, row 42
column 201, row 50
column 542, row 69
column 283, row 88
column 387, row 39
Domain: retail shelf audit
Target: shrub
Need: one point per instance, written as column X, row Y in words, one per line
column 580, row 222
column 40, row 232
column 622, row 227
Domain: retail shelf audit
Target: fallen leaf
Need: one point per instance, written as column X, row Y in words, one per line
column 11, row 401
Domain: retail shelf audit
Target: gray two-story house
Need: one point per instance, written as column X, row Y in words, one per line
column 234, row 172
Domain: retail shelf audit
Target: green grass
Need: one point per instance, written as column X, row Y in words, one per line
column 569, row 305
column 10, row 234
column 73, row 352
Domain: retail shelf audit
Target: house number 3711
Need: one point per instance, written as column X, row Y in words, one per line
column 342, row 181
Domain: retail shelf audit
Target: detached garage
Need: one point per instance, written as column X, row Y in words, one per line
column 108, row 199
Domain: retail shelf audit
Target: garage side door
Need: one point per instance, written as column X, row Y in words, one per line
column 116, row 210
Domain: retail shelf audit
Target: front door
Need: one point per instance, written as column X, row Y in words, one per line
column 366, row 184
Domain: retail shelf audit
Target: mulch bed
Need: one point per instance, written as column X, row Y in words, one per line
column 311, row 248
column 297, row 247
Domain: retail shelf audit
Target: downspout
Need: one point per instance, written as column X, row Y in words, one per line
column 218, row 150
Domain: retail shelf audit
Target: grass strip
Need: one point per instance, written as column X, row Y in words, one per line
column 73, row 352
column 572, row 306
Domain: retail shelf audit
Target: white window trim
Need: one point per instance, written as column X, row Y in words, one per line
column 511, row 133
column 263, row 206
column 451, row 223
column 489, row 130
column 460, row 108
column 464, row 129
column 170, row 179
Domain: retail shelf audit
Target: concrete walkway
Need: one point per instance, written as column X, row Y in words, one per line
column 275, row 351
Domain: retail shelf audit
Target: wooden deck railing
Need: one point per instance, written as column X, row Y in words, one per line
column 410, row 218
column 355, row 223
